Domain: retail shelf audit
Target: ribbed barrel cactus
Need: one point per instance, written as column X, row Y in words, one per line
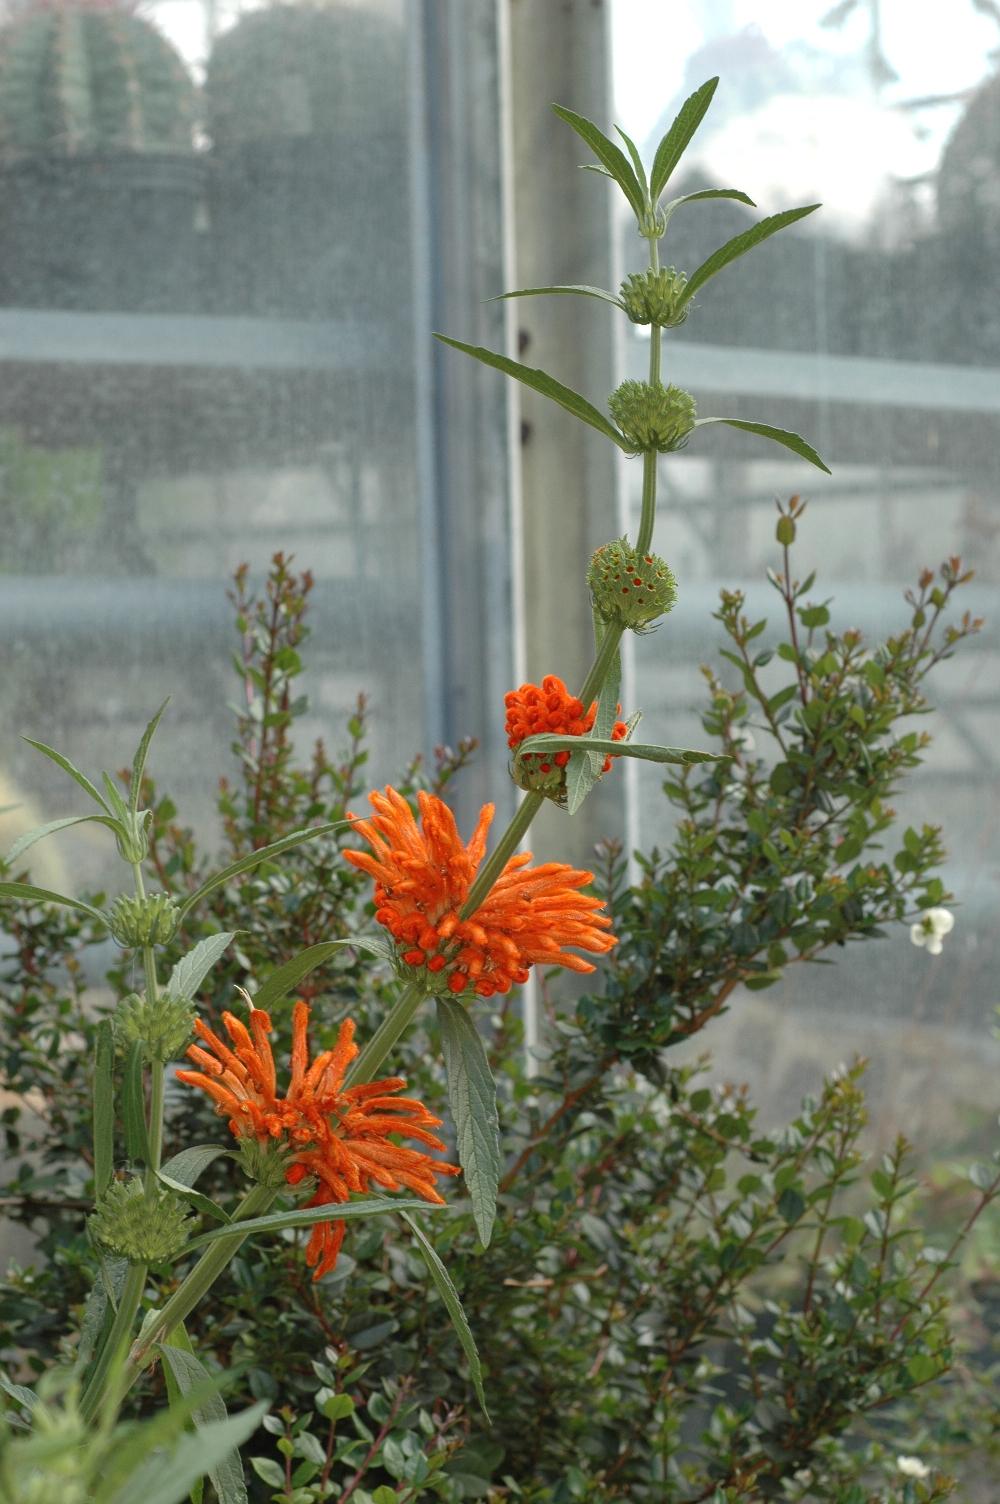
column 304, row 70
column 88, row 78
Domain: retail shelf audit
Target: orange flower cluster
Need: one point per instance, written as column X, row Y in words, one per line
column 422, row 880
column 532, row 711
column 339, row 1135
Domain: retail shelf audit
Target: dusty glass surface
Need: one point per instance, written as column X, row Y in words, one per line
column 871, row 329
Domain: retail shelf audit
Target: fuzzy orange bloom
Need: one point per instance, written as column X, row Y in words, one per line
column 532, row 711
column 422, row 879
column 339, row 1135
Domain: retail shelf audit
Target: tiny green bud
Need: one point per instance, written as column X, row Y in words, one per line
column 652, row 297
column 133, row 843
column 143, row 921
column 652, row 416
column 785, row 531
column 145, row 1227
column 627, row 589
column 163, row 1028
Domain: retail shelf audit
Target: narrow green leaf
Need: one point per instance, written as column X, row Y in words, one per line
column 610, row 156
column 281, row 982
column 188, row 1374
column 74, row 773
column 167, row 1480
column 584, row 768
column 265, row 854
column 778, row 435
column 472, row 1096
column 307, row 1216
column 19, row 1392
column 582, row 290
column 22, row 843
column 453, row 1306
column 175, row 1396
column 691, row 198
column 203, row 1204
column 640, row 171
column 27, row 893
column 118, row 805
column 192, row 969
column 104, row 1109
column 550, row 742
column 678, row 138
column 139, row 761
column 540, row 381
column 98, row 1313
column 186, row 1166
column 133, row 1106
column 139, row 1443
column 739, row 245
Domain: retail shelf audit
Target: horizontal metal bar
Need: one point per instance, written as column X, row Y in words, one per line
column 858, row 380
column 166, row 339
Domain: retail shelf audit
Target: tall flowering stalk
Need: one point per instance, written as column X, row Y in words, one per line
column 457, row 924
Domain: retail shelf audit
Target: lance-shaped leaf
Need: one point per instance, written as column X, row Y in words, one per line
column 192, row 969
column 610, row 156
column 98, row 1310
column 22, row 843
column 166, row 1477
column 203, row 1204
column 74, row 773
column 540, row 381
column 453, row 1306
column 175, row 1395
column 584, row 768
column 472, row 1096
column 28, row 893
column 691, row 198
column 281, row 982
column 186, row 1166
column 778, row 435
column 640, row 171
column 255, row 858
column 104, row 1109
column 551, row 742
column 133, row 1106
column 185, row 1375
column 739, row 245
column 582, row 290
column 139, row 761
column 307, row 1216
column 678, row 138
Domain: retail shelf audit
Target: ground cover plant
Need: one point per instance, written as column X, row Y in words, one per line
column 639, row 1287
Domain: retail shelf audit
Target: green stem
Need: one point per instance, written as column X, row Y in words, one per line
column 155, row 1130
column 386, row 1035
column 135, row 1283
column 648, row 517
column 198, row 1283
column 502, row 852
column 594, row 682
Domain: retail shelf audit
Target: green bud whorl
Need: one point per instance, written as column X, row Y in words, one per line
column 652, row 297
column 135, row 922
column 163, row 1028
column 143, row 1226
column 652, row 416
column 86, row 78
column 628, row 590
column 264, row 1162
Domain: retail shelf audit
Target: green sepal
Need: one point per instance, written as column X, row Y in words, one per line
column 133, row 1106
column 307, row 1216
column 739, row 245
column 104, row 1109
column 472, row 1096
column 28, row 893
column 255, row 858
column 678, row 138
column 783, row 436
column 453, row 1306
column 540, row 381
column 610, row 156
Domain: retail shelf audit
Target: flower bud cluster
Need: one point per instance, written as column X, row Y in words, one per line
column 652, row 416
column 628, row 590
column 143, row 1226
column 163, row 1027
column 653, row 297
column 143, row 921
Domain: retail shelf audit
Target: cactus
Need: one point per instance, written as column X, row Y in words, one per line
column 299, row 70
column 88, row 78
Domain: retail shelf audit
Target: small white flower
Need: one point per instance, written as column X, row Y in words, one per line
column 931, row 930
column 912, row 1467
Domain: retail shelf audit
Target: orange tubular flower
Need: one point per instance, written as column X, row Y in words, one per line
column 423, row 877
column 532, row 711
column 338, row 1135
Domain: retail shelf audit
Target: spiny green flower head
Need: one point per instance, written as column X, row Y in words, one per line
column 163, row 1028
column 627, row 589
column 143, row 921
column 145, row 1227
column 652, row 297
column 652, row 416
